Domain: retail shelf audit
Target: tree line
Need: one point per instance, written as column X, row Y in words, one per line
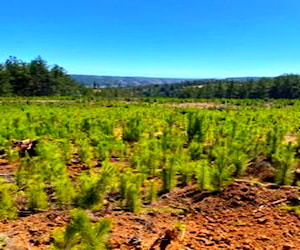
column 36, row 78
column 284, row 86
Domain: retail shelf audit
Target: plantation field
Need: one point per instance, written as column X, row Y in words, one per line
column 152, row 174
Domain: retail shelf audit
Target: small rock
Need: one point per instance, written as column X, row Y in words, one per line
column 205, row 233
column 135, row 241
column 152, row 213
column 263, row 238
column 247, row 248
column 207, row 242
column 287, row 247
column 262, row 220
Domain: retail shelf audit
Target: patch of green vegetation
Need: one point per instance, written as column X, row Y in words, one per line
column 293, row 209
column 8, row 209
column 109, row 154
column 81, row 233
column 163, row 210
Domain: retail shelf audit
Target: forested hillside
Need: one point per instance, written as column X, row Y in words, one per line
column 122, row 81
column 284, row 86
column 36, row 78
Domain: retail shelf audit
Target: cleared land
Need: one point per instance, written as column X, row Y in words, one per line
column 168, row 177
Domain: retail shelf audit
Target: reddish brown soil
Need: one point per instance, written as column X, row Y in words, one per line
column 243, row 216
column 31, row 232
column 7, row 171
column 6, row 168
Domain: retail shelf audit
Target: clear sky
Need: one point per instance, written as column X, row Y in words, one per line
column 164, row 38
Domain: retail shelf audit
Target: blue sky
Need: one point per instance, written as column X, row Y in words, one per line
column 164, row 38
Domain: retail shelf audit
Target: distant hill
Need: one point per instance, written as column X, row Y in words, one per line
column 244, row 79
column 133, row 81
column 126, row 81
column 283, row 86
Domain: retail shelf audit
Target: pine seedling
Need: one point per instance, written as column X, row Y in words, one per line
column 284, row 160
column 86, row 153
column 239, row 160
column 133, row 199
column 195, row 151
column 24, row 172
column 169, row 174
column 125, row 179
column 86, row 125
column 133, row 129
column 203, row 175
column 118, row 149
column 93, row 188
column 222, row 170
column 196, row 127
column 8, row 209
column 153, row 190
column 186, row 172
column 64, row 191
column 186, row 169
column 106, row 127
column 96, row 238
column 66, row 150
column 80, row 233
column 103, row 149
column 130, row 185
column 273, row 142
column 233, row 131
column 50, row 163
column 21, row 176
column 37, row 197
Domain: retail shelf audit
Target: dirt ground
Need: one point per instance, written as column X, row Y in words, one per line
column 201, row 105
column 243, row 216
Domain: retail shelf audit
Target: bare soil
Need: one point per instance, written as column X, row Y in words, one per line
column 243, row 216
